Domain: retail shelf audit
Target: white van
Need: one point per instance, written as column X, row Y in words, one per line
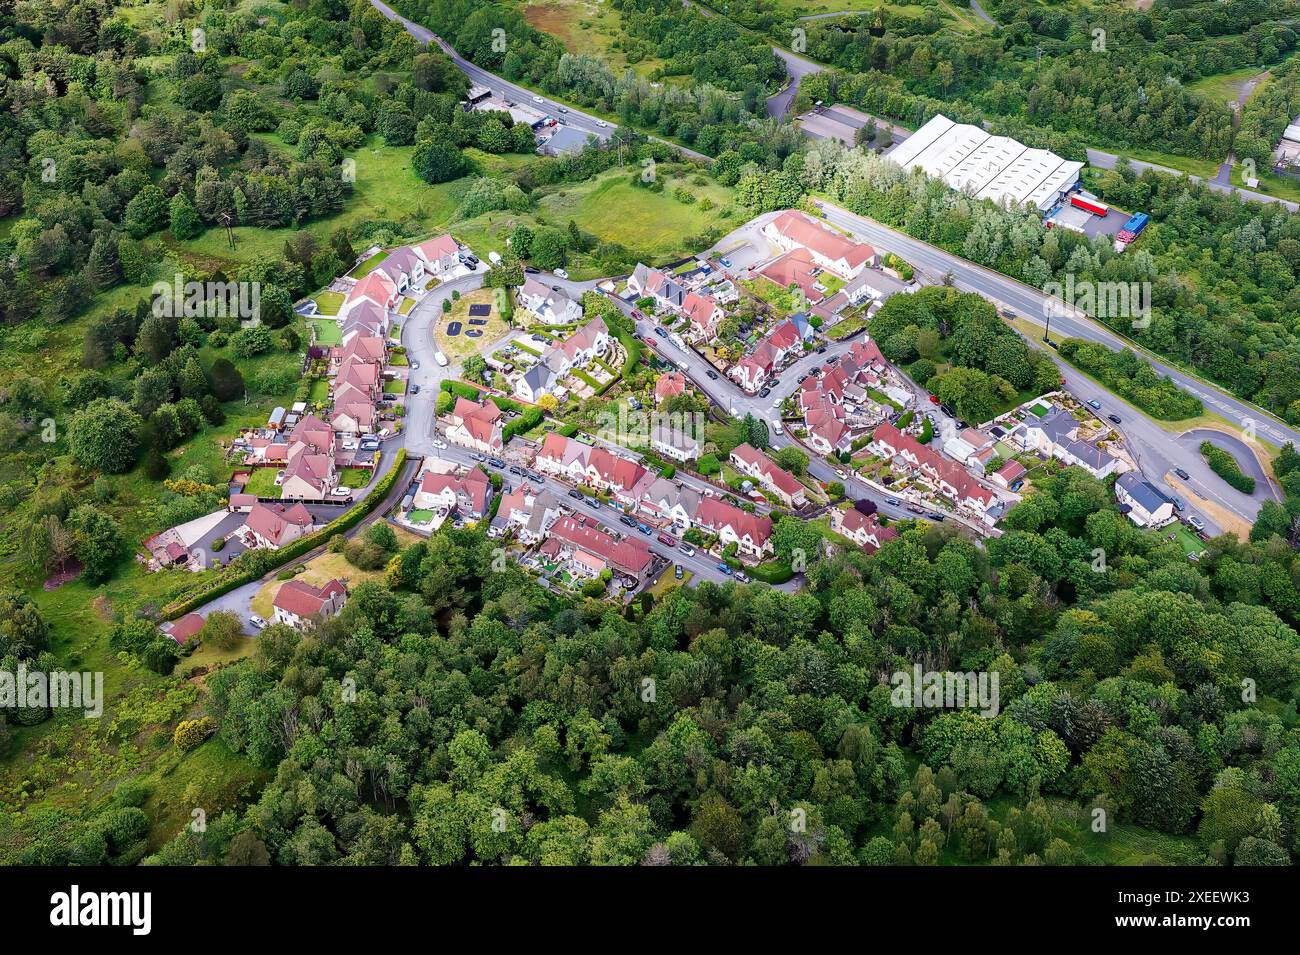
column 440, row 358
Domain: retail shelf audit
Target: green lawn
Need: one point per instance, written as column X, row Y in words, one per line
column 328, row 302
column 355, row 477
column 320, row 390
column 328, row 331
column 369, row 265
column 262, row 483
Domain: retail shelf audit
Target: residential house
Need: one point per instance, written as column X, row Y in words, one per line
column 274, row 525
column 827, row 431
column 550, row 306
column 301, row 606
column 750, row 533
column 669, row 385
column 466, row 494
column 312, row 434
column 184, row 629
column 796, row 268
column 1144, row 503
column 309, row 476
column 404, row 268
column 646, row 282
column 440, row 255
column 586, row 343
column 589, row 550
column 363, row 317
column 666, row 500
column 1057, row 434
column 674, row 443
column 353, row 417
column 705, row 315
column 1008, row 474
column 863, row 529
column 972, row 448
column 366, row 377
column 536, row 381
column 530, row 516
column 775, row 479
column 358, row 346
column 830, row 250
column 375, row 288
column 474, row 425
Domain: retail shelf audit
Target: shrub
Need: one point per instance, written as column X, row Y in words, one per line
column 190, row 733
column 1225, row 466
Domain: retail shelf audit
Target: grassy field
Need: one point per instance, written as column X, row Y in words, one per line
column 1205, row 168
column 386, row 191
column 319, row 570
column 328, row 331
column 328, row 302
column 655, row 225
column 262, row 483
column 458, row 347
column 584, row 26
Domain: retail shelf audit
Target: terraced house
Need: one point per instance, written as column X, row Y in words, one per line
column 474, row 425
column 774, row 479
column 595, row 467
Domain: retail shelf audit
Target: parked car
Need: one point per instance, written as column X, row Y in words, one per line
column 1114, row 418
column 415, row 366
column 1178, row 503
column 440, row 444
column 776, row 402
column 256, row 621
column 536, row 478
column 496, row 463
column 777, row 429
column 628, row 519
column 934, row 400
column 349, row 445
column 833, row 359
column 531, row 269
column 1094, row 404
column 516, row 469
column 575, row 494
column 476, row 455
column 666, row 540
column 1051, row 343
column 645, row 529
column 915, row 510
column 712, row 374
column 661, row 331
column 893, row 501
column 341, row 491
column 725, row 568
column 948, row 411
column 415, row 389
column 765, row 392
column 686, row 549
column 1197, row 524
column 937, row 517
column 742, row 576
column 678, row 572
column 561, row 273
column 822, row 350
column 1182, row 474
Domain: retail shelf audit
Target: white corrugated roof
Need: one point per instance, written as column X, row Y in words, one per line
column 990, row 167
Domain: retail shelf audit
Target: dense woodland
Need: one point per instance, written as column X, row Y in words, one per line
column 451, row 697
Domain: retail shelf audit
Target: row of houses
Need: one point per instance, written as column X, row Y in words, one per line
column 660, row 498
column 865, row 530
column 369, row 303
column 702, row 311
column 536, row 517
column 951, row 479
column 775, row 479
column 785, row 341
column 560, row 358
column 836, row 404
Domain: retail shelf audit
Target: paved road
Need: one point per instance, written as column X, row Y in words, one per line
column 979, row 12
column 797, row 67
column 1032, row 304
column 1220, row 183
column 573, row 117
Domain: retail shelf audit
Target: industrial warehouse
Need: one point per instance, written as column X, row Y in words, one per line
column 987, row 167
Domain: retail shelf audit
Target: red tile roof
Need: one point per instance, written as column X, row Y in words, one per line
column 187, row 626
column 271, row 521
column 800, row 229
column 629, row 556
column 298, row 597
